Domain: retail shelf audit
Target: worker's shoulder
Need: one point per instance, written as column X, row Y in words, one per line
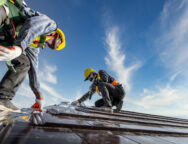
column 102, row 72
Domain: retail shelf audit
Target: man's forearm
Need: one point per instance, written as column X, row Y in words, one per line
column 38, row 95
column 84, row 97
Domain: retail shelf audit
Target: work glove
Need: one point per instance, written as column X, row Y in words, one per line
column 8, row 54
column 75, row 103
column 37, row 113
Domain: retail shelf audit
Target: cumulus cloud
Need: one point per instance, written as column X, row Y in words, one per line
column 167, row 100
column 116, row 58
column 160, row 98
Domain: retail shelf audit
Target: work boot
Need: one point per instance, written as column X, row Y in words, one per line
column 119, row 106
column 7, row 104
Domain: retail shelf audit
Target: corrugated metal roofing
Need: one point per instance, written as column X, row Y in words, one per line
column 88, row 125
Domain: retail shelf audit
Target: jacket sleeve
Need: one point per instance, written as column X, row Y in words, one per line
column 88, row 94
column 32, row 28
column 32, row 54
column 84, row 97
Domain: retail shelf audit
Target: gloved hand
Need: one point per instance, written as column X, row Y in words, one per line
column 8, row 54
column 75, row 103
column 37, row 115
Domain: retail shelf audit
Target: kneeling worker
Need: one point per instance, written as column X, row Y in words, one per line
column 111, row 90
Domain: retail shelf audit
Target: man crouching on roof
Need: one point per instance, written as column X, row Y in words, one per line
column 31, row 30
column 102, row 83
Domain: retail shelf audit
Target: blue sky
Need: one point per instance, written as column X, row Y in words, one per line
column 141, row 43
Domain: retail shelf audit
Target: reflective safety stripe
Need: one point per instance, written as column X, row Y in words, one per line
column 12, row 1
column 14, row 29
column 36, row 41
column 98, row 76
column 98, row 91
column 115, row 83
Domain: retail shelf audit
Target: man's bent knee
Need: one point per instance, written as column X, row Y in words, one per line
column 99, row 103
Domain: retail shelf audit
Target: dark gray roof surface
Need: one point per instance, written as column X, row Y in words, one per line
column 82, row 125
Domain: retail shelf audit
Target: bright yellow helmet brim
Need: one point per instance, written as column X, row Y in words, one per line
column 63, row 44
column 87, row 72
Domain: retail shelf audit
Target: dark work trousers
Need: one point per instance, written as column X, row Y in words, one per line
column 12, row 80
column 112, row 95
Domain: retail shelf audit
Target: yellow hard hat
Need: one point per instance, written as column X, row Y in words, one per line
column 87, row 72
column 62, row 45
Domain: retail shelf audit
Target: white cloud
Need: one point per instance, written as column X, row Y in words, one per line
column 173, row 44
column 79, row 94
column 48, row 81
column 25, row 91
column 173, row 77
column 46, row 74
column 51, row 91
column 167, row 101
column 116, row 58
column 162, row 97
column 186, row 107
